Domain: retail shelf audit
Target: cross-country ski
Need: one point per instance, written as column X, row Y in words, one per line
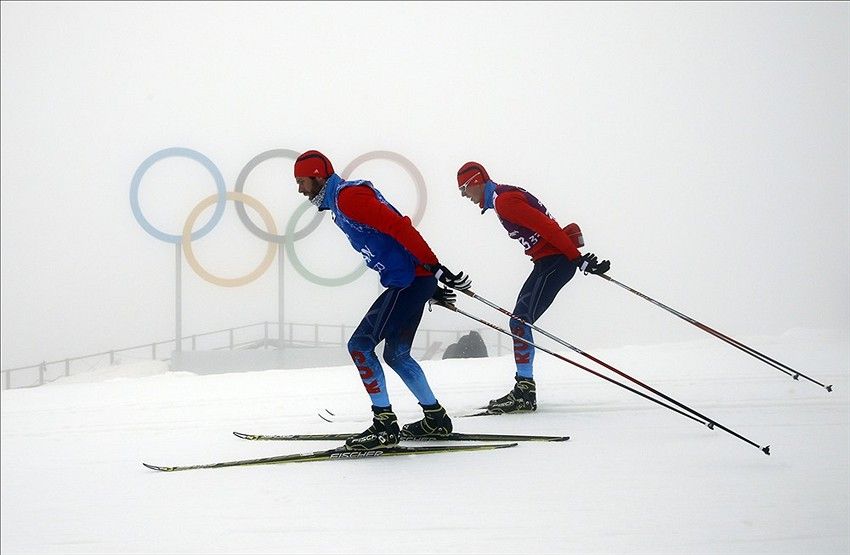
column 455, row 436
column 339, row 454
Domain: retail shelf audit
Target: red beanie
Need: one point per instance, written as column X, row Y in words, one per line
column 313, row 164
column 471, row 173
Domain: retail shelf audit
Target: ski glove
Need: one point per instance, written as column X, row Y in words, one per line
column 589, row 264
column 444, row 296
column 458, row 281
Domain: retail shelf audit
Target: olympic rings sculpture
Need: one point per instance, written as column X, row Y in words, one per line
column 240, row 199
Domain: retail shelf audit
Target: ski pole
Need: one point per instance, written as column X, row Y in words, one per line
column 734, row 342
column 453, row 308
column 706, row 422
column 469, row 292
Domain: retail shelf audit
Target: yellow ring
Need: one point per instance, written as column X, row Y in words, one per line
column 187, row 240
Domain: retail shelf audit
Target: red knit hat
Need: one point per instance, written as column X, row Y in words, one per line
column 313, row 164
column 471, row 173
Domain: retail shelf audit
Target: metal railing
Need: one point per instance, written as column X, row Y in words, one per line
column 296, row 335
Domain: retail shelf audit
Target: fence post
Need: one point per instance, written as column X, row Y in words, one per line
column 290, row 333
column 193, row 342
column 67, row 367
column 41, row 369
column 316, row 335
column 231, row 338
column 265, row 335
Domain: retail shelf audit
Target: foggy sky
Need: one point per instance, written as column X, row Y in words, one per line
column 703, row 148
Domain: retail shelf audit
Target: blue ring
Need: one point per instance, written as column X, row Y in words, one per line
column 185, row 153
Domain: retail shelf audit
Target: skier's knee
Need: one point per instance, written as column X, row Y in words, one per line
column 394, row 357
column 360, row 344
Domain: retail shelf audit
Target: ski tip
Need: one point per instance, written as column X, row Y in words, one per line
column 829, row 388
column 562, row 438
column 240, row 435
column 766, row 449
column 154, row 467
column 325, row 418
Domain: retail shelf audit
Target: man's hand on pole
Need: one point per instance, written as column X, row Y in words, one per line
column 589, row 264
column 458, row 281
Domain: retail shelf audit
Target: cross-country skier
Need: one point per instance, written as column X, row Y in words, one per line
column 409, row 270
column 555, row 257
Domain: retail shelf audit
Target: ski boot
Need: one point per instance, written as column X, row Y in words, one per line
column 436, row 424
column 523, row 398
column 381, row 434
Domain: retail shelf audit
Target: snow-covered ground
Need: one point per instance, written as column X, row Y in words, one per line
column 634, row 478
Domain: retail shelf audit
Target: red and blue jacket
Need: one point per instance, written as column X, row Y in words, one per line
column 387, row 240
column 528, row 221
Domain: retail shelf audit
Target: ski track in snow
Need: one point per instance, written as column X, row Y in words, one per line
column 634, row 477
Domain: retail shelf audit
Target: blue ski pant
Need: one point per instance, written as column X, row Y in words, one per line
column 548, row 277
column 394, row 318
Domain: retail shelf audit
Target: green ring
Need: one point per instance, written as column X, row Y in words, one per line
column 289, row 243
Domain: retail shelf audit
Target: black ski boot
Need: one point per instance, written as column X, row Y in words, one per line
column 381, row 434
column 523, row 398
column 436, row 424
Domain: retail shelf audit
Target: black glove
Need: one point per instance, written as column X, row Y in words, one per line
column 458, row 281
column 444, row 296
column 589, row 264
